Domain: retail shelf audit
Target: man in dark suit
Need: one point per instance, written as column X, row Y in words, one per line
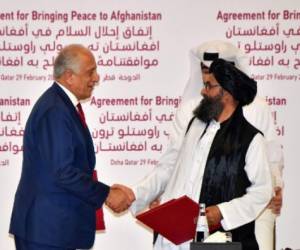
column 56, row 199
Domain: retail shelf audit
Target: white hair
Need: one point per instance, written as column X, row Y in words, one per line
column 68, row 59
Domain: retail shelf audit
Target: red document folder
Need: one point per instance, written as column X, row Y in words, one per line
column 175, row 220
column 100, row 225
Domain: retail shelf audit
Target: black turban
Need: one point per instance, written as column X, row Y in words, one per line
column 237, row 83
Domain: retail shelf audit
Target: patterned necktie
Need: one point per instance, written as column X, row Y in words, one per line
column 81, row 115
column 99, row 212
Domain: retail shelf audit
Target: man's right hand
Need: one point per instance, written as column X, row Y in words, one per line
column 119, row 198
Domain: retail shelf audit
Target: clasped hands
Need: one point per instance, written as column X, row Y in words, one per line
column 119, row 198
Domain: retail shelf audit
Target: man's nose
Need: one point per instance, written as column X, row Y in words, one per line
column 205, row 77
column 203, row 90
column 96, row 78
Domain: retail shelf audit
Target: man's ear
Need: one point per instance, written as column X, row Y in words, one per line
column 226, row 95
column 68, row 77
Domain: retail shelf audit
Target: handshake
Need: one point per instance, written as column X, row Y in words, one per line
column 119, row 198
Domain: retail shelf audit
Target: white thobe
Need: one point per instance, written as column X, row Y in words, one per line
column 180, row 172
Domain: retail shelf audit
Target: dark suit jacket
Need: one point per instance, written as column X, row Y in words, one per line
column 56, row 199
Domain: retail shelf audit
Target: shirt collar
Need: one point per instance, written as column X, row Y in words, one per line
column 71, row 96
column 215, row 124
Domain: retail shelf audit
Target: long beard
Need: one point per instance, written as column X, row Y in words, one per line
column 209, row 108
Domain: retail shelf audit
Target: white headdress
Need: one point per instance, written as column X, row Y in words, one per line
column 206, row 53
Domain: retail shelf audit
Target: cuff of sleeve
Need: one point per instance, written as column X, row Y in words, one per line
column 224, row 222
column 276, row 175
column 104, row 193
column 134, row 206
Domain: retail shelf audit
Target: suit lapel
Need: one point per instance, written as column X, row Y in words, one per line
column 84, row 130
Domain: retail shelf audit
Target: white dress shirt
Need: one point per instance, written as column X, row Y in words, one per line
column 71, row 96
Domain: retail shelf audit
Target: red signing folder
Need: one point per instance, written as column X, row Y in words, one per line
column 100, row 225
column 175, row 220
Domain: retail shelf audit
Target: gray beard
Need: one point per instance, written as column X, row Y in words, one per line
column 209, row 108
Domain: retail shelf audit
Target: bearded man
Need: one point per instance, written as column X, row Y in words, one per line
column 219, row 160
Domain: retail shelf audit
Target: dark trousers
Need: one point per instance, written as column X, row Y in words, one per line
column 27, row 245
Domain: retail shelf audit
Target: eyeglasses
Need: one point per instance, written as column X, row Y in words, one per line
column 209, row 86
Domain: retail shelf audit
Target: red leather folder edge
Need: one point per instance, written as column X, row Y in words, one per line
column 175, row 220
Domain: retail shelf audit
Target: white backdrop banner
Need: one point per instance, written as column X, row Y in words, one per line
column 141, row 49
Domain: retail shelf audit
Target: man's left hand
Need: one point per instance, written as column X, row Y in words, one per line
column 213, row 216
column 276, row 201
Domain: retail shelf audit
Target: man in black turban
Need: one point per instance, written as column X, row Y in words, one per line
column 219, row 159
column 226, row 90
